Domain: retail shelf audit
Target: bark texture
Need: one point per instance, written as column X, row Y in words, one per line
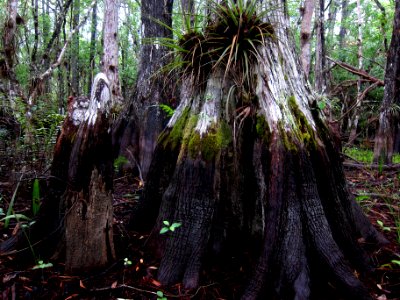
column 389, row 116
column 137, row 142
column 251, row 163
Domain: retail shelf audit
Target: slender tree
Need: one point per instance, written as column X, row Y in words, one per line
column 247, row 164
column 389, row 115
column 320, row 60
column 356, row 115
column 305, row 35
column 74, row 58
column 109, row 61
column 92, row 49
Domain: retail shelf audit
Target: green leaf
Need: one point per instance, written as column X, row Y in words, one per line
column 15, row 216
column 175, row 225
column 35, row 197
column 42, row 265
column 164, row 230
column 160, row 294
column 380, row 223
column 321, row 105
column 397, row 262
column 166, row 223
column 362, row 198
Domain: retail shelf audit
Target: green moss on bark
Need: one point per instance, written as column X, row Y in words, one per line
column 173, row 138
column 209, row 145
column 305, row 132
column 262, row 129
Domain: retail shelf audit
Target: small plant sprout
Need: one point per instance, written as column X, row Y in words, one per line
column 42, row 265
column 169, row 227
column 160, row 296
column 382, row 226
column 127, row 262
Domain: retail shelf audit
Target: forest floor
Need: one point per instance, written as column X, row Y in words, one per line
column 132, row 276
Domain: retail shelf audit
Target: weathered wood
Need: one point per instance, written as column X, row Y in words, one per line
column 89, row 239
column 76, row 215
column 88, row 199
column 255, row 169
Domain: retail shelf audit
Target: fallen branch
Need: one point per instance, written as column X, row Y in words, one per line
column 394, row 167
column 358, row 72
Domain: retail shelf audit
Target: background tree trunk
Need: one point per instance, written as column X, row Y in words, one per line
column 92, row 49
column 389, row 116
column 320, row 59
column 356, row 114
column 136, row 141
column 75, row 51
column 110, row 53
column 305, row 35
column 9, row 48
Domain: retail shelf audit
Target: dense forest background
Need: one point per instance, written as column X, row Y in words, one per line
column 50, row 53
column 352, row 33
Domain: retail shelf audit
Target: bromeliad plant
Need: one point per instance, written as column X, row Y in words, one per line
column 229, row 41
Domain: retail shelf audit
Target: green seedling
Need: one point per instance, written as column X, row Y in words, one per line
column 382, row 226
column 169, row 227
column 160, row 296
column 42, row 265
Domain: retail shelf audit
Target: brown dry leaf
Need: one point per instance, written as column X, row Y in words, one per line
column 16, row 229
column 382, row 297
column 81, row 284
column 114, row 284
column 155, row 282
column 72, row 297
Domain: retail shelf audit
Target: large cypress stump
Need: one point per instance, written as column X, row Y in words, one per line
column 248, row 160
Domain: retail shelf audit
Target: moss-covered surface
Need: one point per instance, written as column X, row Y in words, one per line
column 305, row 132
column 208, row 146
column 173, row 137
column 262, row 129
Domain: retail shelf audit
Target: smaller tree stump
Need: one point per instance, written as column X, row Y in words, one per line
column 88, row 198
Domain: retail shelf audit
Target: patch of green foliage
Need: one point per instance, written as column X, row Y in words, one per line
column 365, row 155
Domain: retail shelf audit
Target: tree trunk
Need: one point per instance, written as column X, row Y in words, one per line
column 320, row 80
column 357, row 112
column 343, row 26
column 92, row 49
column 389, row 116
column 246, row 160
column 305, row 35
column 75, row 50
column 9, row 53
column 136, row 141
column 110, row 53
